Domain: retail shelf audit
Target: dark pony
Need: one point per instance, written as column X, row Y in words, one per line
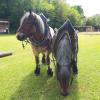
column 36, row 29
column 65, row 51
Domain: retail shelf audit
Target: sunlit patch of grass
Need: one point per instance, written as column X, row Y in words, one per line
column 18, row 82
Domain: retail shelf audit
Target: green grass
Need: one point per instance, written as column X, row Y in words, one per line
column 18, row 82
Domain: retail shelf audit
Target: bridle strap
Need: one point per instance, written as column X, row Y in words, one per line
column 26, row 42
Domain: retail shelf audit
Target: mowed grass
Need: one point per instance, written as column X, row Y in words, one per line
column 18, row 82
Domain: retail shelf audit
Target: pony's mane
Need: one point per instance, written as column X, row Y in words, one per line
column 64, row 30
column 67, row 26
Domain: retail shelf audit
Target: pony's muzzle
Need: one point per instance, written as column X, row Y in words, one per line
column 64, row 93
column 64, row 89
column 21, row 36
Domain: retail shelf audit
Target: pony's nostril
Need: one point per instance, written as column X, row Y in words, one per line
column 64, row 93
column 20, row 36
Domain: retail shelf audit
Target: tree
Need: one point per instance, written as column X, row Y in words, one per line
column 94, row 21
column 13, row 10
column 81, row 12
column 63, row 12
column 58, row 11
column 79, row 9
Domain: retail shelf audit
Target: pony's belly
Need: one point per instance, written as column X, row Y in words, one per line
column 38, row 49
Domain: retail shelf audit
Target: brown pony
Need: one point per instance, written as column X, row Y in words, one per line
column 35, row 28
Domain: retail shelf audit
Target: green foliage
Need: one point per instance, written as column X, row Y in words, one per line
column 58, row 11
column 94, row 21
column 75, row 17
column 12, row 10
column 79, row 9
column 81, row 13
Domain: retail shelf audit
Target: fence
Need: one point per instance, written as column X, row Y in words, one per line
column 4, row 26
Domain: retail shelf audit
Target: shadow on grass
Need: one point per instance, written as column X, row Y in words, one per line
column 42, row 88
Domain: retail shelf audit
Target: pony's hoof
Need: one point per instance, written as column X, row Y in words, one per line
column 37, row 71
column 50, row 72
column 75, row 72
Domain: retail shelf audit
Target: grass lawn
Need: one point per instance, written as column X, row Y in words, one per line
column 18, row 82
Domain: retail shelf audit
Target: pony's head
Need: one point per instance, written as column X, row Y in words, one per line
column 27, row 26
column 64, row 77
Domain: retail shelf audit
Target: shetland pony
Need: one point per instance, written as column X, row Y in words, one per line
column 66, row 57
column 35, row 28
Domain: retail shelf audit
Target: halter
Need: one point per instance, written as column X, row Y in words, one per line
column 26, row 42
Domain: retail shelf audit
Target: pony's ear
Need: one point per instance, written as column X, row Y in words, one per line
column 30, row 11
column 24, row 11
column 55, row 30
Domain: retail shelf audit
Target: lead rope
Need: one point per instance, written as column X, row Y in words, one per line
column 26, row 42
column 53, row 60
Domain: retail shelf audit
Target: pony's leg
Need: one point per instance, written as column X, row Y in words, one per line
column 37, row 70
column 74, row 42
column 36, row 54
column 49, row 70
column 75, row 69
column 43, row 59
column 74, row 66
